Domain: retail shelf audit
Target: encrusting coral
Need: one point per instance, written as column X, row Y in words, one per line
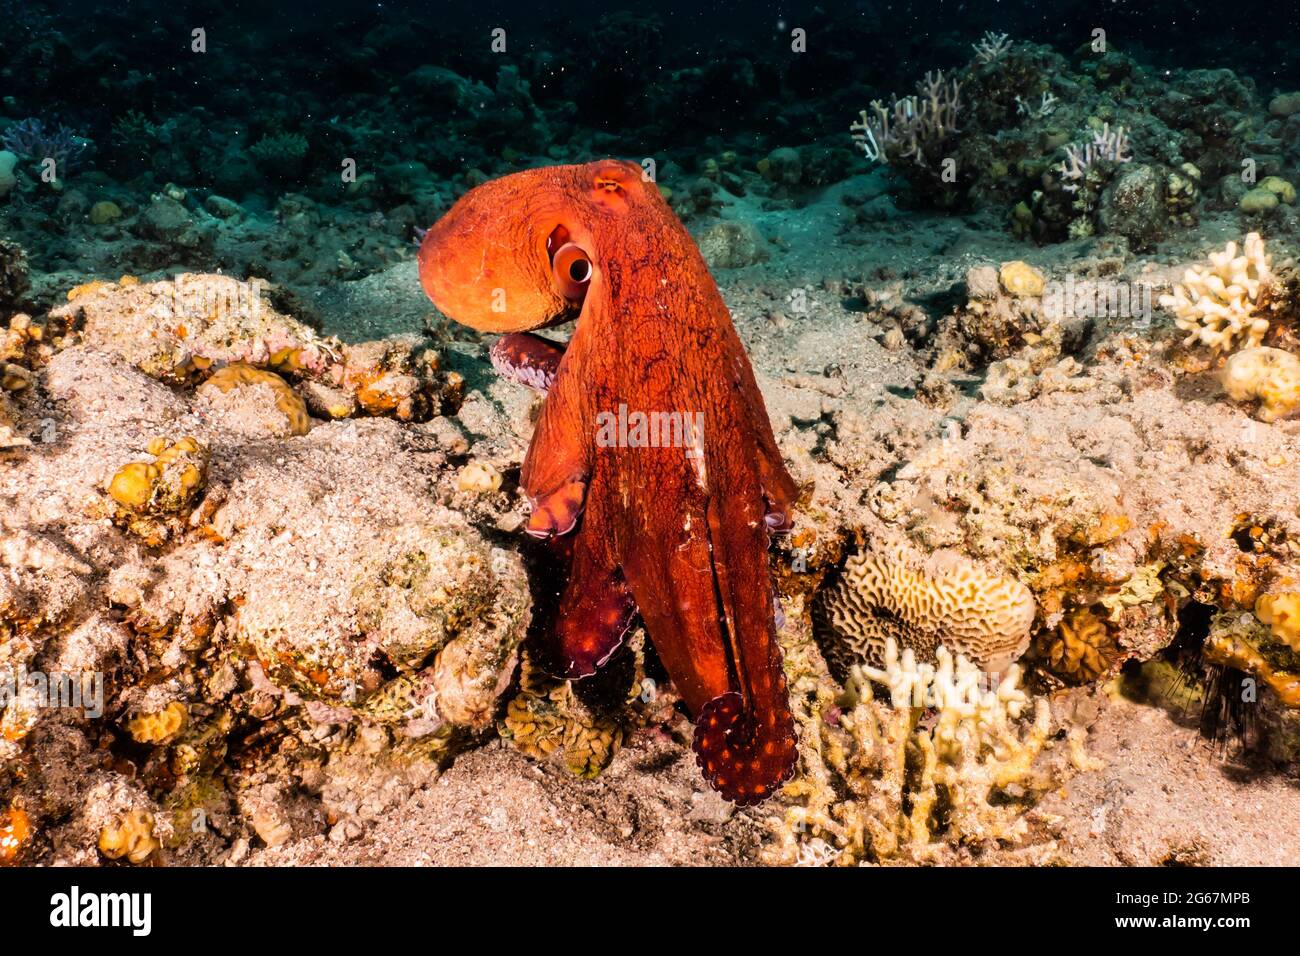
column 15, row 829
column 240, row 375
column 547, row 715
column 1281, row 612
column 915, row 785
column 944, row 600
column 1020, row 278
column 1246, row 643
column 161, row 727
column 130, row 835
column 1217, row 304
column 1267, row 375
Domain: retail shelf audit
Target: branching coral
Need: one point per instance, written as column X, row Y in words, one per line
column 1105, row 145
column 1217, row 304
column 992, row 46
column 915, row 784
column 1267, row 375
column 1046, row 106
column 946, row 600
column 911, row 125
column 30, row 139
column 279, row 154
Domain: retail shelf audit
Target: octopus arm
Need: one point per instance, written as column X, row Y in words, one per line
column 558, row 463
column 596, row 611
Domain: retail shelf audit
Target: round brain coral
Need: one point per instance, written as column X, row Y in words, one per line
column 161, row 727
column 1021, row 279
column 946, row 601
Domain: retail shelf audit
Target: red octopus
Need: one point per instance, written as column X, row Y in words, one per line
column 653, row 450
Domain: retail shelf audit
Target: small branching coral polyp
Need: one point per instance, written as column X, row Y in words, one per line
column 30, row 139
column 992, row 46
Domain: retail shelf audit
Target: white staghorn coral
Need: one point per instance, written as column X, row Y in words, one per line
column 908, row 125
column 1107, row 145
column 954, row 685
column 1217, row 304
column 992, row 46
column 1046, row 106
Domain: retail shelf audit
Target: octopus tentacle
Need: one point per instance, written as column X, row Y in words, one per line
column 596, row 612
column 556, row 469
column 677, row 597
column 778, row 487
column 745, row 738
column 556, row 512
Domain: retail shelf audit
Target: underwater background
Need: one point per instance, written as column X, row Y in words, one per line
column 415, row 96
column 1018, row 285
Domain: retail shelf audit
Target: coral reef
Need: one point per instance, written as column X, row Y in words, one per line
column 177, row 330
column 294, row 646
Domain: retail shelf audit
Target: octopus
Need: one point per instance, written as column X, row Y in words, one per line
column 653, row 459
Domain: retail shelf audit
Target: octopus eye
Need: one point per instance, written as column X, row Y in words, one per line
column 573, row 269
